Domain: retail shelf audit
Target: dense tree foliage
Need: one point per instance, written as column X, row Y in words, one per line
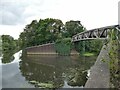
column 47, row 31
column 44, row 31
column 92, row 46
column 9, row 47
column 7, row 43
column 73, row 27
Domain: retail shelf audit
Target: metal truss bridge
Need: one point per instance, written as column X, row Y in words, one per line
column 98, row 33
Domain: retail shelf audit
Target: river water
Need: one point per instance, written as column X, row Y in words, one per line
column 46, row 71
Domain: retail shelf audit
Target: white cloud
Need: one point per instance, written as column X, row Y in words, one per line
column 14, row 31
column 91, row 13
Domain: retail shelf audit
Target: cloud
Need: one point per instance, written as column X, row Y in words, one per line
column 15, row 12
column 14, row 31
column 11, row 13
column 92, row 13
column 20, row 11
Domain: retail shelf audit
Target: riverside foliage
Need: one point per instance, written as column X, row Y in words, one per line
column 48, row 31
column 53, row 30
column 9, row 47
column 114, row 59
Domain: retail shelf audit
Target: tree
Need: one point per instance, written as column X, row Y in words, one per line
column 47, row 31
column 9, row 47
column 73, row 27
column 41, row 32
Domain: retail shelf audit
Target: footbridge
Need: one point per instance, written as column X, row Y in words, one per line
column 98, row 33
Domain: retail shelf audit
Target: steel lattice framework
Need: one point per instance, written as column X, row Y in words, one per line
column 98, row 33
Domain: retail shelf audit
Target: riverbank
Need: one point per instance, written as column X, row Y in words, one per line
column 88, row 54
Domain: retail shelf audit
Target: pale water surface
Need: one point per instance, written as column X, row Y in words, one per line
column 33, row 71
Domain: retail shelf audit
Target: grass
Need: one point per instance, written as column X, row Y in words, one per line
column 42, row 85
column 88, row 54
column 45, row 85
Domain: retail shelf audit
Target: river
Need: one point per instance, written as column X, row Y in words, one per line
column 46, row 71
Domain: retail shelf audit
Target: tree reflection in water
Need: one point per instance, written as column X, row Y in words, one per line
column 52, row 71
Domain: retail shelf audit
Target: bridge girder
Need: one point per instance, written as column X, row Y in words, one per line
column 99, row 33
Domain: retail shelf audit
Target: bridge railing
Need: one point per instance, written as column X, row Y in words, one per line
column 99, row 33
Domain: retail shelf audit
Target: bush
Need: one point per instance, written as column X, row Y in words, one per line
column 63, row 46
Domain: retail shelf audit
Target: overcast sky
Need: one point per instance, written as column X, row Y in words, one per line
column 15, row 14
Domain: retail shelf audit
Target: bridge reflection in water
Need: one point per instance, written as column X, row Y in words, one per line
column 55, row 70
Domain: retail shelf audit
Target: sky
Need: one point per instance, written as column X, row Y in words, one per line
column 15, row 14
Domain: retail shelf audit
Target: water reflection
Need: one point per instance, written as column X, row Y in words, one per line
column 54, row 71
column 11, row 75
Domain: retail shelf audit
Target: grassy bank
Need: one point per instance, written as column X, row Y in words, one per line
column 88, row 54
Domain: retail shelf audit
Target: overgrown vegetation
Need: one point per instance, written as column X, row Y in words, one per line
column 50, row 30
column 91, row 46
column 88, row 54
column 114, row 59
column 63, row 46
column 44, row 31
